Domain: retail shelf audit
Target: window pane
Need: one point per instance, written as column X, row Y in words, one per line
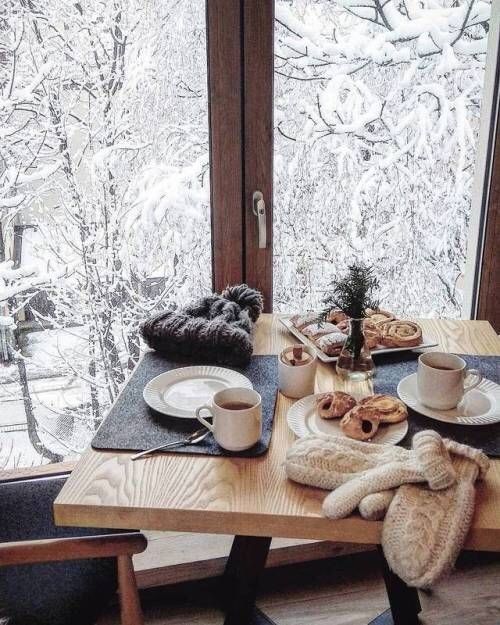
column 104, row 200
column 377, row 114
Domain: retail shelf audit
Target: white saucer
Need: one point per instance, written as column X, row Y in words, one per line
column 481, row 406
column 303, row 419
column 179, row 392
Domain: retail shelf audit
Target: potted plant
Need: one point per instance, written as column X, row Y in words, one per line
column 354, row 294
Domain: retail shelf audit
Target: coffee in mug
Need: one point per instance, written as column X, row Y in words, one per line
column 236, row 405
column 237, row 418
column 442, row 380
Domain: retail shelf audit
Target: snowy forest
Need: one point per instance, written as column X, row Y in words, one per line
column 376, row 121
column 104, row 179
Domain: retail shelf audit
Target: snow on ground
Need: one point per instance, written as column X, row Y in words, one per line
column 60, row 399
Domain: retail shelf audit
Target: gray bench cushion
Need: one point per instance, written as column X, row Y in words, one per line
column 59, row 593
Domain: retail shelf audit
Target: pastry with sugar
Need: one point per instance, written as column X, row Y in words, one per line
column 360, row 423
column 331, row 344
column 335, row 405
column 316, row 330
column 301, row 321
column 390, row 409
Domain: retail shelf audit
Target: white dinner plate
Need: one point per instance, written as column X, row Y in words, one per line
column 179, row 392
column 426, row 342
column 303, row 419
column 481, row 406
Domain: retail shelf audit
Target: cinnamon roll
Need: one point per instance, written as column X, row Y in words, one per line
column 370, row 330
column 379, row 316
column 400, row 334
column 335, row 316
column 343, row 326
column 372, row 334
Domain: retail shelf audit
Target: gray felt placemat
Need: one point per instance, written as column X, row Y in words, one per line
column 396, row 366
column 131, row 425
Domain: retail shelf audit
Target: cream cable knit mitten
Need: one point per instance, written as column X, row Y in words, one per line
column 355, row 469
column 373, row 507
column 428, row 516
column 425, row 530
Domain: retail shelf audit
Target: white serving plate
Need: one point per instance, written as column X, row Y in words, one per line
column 426, row 342
column 481, row 406
column 303, row 419
column 179, row 392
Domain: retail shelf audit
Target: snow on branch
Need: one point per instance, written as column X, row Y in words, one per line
column 15, row 282
column 385, row 32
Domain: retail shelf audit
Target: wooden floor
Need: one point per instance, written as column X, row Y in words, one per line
column 340, row 591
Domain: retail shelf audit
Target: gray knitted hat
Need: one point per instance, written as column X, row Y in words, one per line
column 215, row 329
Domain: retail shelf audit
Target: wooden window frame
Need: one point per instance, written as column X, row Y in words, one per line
column 258, row 17
column 240, row 46
column 487, row 275
column 488, row 300
column 224, row 58
column 258, row 85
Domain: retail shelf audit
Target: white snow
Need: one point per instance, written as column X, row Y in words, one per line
column 13, row 201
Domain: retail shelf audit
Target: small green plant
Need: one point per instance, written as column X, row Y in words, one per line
column 354, row 293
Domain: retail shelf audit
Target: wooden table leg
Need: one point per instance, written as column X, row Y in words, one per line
column 404, row 601
column 241, row 577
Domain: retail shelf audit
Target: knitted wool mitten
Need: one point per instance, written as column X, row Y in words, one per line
column 373, row 507
column 427, row 517
column 425, row 530
column 355, row 470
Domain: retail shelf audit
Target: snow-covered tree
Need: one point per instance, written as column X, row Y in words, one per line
column 104, row 146
column 377, row 111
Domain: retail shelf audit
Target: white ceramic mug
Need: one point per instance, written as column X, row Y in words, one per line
column 235, row 429
column 441, row 380
column 297, row 381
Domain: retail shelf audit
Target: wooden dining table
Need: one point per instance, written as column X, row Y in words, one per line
column 251, row 498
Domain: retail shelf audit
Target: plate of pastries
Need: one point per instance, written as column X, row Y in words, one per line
column 383, row 332
column 382, row 419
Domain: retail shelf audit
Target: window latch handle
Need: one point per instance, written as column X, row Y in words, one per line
column 259, row 210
